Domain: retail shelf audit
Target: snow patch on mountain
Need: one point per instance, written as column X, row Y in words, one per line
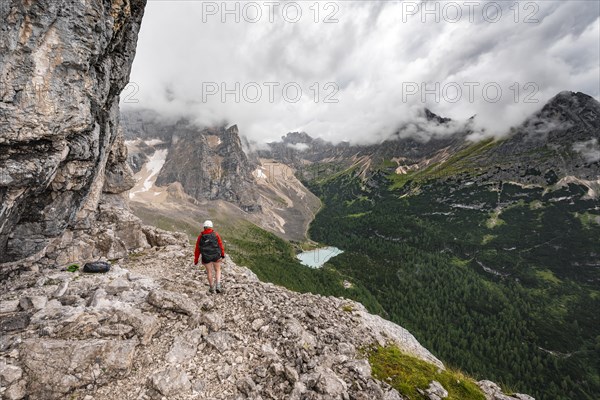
column 153, row 142
column 147, row 176
column 259, row 173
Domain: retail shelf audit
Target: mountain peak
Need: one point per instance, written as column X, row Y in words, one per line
column 431, row 116
column 233, row 129
column 297, row 137
column 573, row 102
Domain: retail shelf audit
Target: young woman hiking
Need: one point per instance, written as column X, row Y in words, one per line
column 210, row 247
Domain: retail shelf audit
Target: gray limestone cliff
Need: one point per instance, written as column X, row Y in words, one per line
column 63, row 65
column 210, row 163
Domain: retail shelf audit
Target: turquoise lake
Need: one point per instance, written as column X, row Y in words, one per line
column 316, row 258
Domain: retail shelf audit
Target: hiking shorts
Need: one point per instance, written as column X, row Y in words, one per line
column 206, row 260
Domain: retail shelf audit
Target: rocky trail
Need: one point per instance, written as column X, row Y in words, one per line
column 148, row 329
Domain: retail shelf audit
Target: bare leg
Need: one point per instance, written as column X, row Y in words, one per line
column 217, row 265
column 209, row 273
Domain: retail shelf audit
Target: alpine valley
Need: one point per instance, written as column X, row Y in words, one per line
column 486, row 250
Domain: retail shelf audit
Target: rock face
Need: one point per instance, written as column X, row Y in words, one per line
column 209, row 163
column 63, row 64
column 179, row 165
column 560, row 140
column 148, row 329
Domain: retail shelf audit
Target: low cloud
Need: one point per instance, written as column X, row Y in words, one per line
column 590, row 150
column 368, row 75
column 298, row 146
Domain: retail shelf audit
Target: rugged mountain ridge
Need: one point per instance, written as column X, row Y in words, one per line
column 417, row 149
column 517, row 216
column 210, row 163
column 561, row 140
column 63, row 64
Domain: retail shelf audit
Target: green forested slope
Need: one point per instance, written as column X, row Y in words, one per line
column 499, row 280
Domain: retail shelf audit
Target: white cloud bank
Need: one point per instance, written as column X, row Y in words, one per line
column 380, row 61
column 590, row 150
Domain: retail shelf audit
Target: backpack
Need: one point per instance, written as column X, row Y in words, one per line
column 96, row 267
column 209, row 246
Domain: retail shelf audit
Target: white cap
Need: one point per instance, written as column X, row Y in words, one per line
column 208, row 224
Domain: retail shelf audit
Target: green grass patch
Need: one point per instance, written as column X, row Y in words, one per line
column 495, row 220
column 347, row 308
column 358, row 215
column 399, row 180
column 547, row 276
column 460, row 163
column 73, row 268
column 536, row 205
column 588, row 219
column 487, row 239
column 386, row 164
column 408, row 374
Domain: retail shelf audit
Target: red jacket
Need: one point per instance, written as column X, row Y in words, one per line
column 197, row 251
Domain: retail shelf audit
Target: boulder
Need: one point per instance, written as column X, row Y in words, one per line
column 493, row 392
column 213, row 321
column 56, row 367
column 14, row 322
column 246, row 386
column 171, row 381
column 9, row 374
column 117, row 286
column 221, row 341
column 9, row 306
column 159, row 238
column 145, row 325
column 172, row 301
column 16, row 391
column 184, row 347
column 33, row 302
column 436, row 391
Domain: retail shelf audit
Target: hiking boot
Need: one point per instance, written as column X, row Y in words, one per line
column 219, row 289
column 211, row 290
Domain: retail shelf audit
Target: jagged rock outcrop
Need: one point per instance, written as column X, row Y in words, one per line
column 148, row 329
column 63, row 64
column 209, row 163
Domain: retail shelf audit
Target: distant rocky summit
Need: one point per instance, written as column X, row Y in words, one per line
column 210, row 163
column 561, row 140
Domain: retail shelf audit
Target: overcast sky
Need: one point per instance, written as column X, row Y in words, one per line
column 365, row 68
